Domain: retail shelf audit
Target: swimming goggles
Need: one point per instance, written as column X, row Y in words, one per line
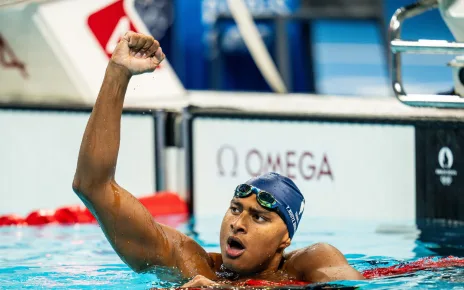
column 264, row 198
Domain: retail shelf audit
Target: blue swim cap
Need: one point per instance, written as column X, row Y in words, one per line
column 291, row 201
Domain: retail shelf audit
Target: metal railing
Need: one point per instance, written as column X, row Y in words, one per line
column 399, row 46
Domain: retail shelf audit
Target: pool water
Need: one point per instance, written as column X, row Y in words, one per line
column 79, row 256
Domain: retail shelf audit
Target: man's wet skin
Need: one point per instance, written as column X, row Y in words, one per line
column 252, row 239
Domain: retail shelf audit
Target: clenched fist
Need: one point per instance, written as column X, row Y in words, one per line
column 138, row 53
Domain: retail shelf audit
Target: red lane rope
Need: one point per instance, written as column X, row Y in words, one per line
column 159, row 205
column 414, row 266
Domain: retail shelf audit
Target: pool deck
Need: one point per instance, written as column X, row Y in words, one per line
column 305, row 105
column 309, row 105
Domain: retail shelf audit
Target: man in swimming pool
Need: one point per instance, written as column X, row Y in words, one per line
column 263, row 216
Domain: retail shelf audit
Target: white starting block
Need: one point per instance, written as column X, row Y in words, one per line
column 57, row 52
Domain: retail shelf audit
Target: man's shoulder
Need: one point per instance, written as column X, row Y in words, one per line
column 313, row 250
column 312, row 256
column 322, row 262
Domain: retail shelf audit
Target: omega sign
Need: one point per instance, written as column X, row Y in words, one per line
column 303, row 165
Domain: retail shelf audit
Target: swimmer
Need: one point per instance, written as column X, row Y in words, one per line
column 258, row 225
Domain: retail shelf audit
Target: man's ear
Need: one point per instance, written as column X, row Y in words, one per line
column 286, row 241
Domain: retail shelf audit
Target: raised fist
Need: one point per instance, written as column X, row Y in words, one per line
column 138, row 53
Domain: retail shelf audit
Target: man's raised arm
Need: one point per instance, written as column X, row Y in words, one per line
column 128, row 226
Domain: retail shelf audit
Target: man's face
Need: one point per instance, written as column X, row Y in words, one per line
column 251, row 236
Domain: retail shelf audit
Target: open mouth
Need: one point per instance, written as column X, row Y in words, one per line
column 235, row 247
